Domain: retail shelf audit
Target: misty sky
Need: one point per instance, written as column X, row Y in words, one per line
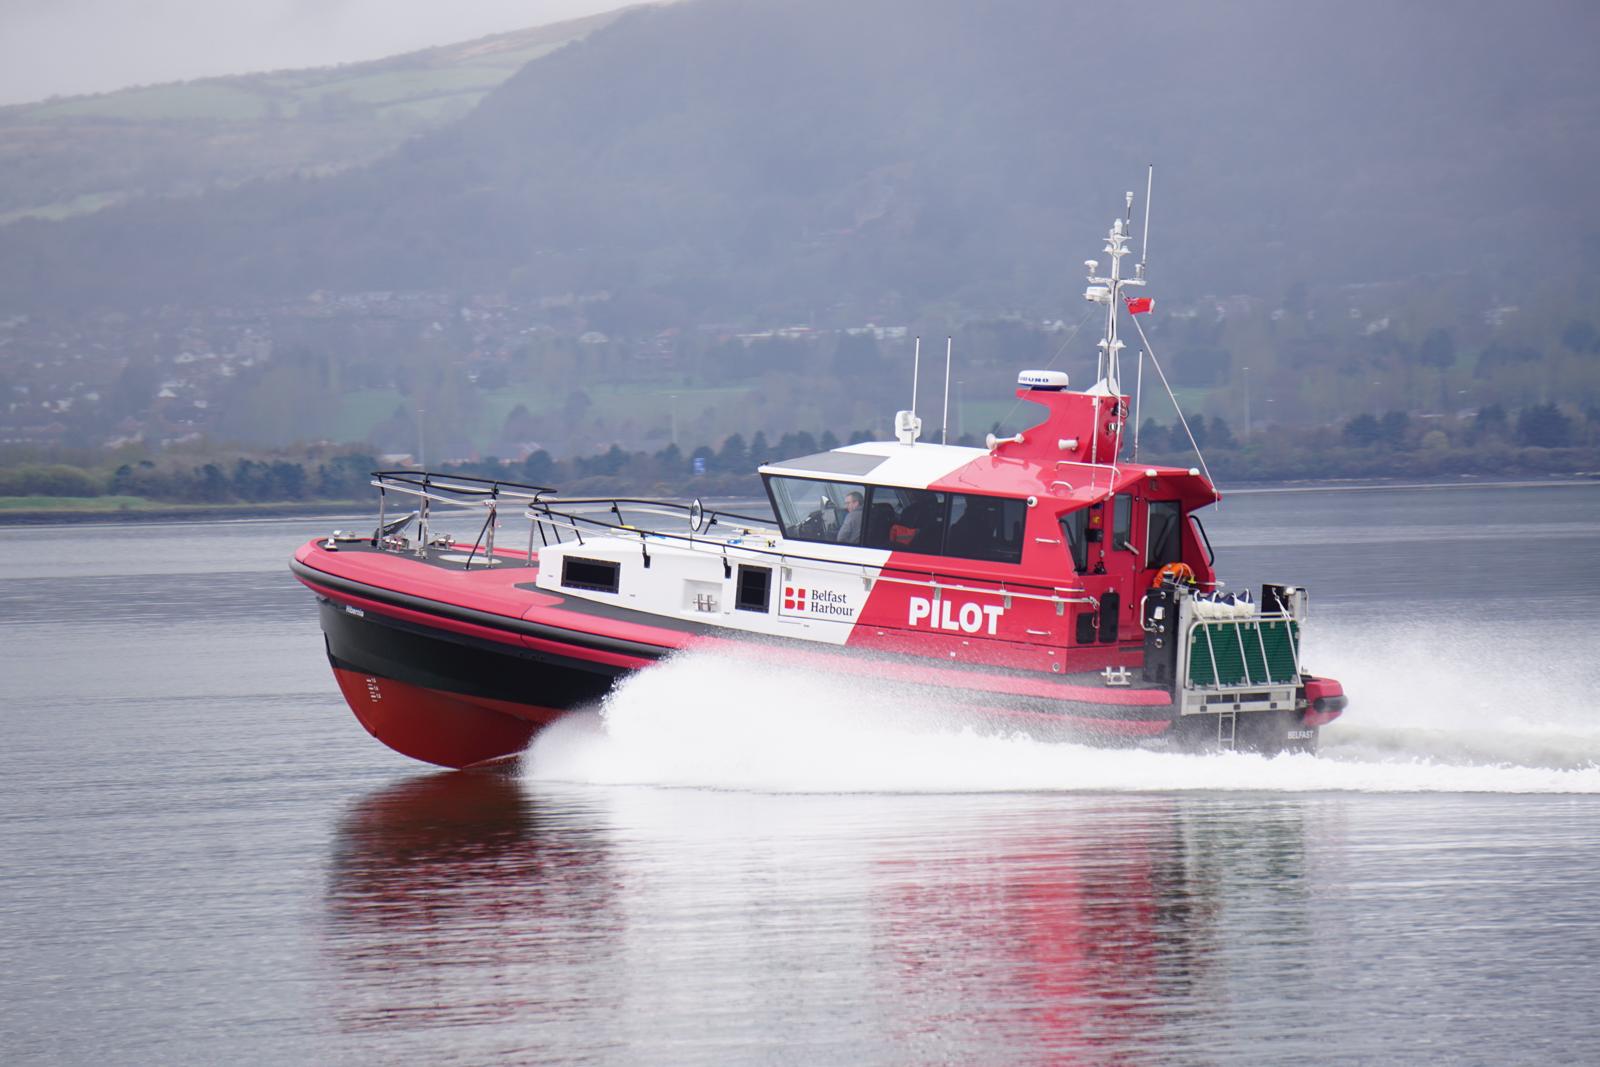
column 64, row 47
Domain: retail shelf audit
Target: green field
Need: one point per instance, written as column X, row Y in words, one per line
column 77, row 205
column 88, row 152
column 422, row 76
column 185, row 101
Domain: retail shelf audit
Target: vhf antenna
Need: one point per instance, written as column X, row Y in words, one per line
column 907, row 427
column 944, row 427
column 1144, row 249
column 916, row 364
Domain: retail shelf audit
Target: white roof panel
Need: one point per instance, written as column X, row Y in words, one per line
column 909, row 466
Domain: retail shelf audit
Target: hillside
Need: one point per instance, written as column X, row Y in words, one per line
column 731, row 216
column 720, row 158
column 68, row 156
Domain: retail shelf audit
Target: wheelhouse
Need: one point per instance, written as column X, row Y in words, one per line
column 1102, row 530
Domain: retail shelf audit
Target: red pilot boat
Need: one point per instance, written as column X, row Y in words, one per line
column 1064, row 590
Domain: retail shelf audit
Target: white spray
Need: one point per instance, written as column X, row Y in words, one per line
column 753, row 722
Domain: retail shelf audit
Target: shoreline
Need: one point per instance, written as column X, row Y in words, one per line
column 170, row 513
column 167, row 513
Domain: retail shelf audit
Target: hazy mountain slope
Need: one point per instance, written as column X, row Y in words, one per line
column 65, row 156
column 718, row 158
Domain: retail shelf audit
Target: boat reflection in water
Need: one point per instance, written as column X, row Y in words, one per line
column 1104, row 930
column 500, row 917
column 446, row 889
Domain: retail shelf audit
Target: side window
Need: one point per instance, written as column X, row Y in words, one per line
column 601, row 575
column 1122, row 523
column 1074, row 524
column 986, row 528
column 1205, row 541
column 1163, row 543
column 905, row 520
column 813, row 510
column 755, row 588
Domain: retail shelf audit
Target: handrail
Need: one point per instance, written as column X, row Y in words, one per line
column 484, row 491
column 651, row 502
column 1082, row 596
column 432, row 480
column 467, row 491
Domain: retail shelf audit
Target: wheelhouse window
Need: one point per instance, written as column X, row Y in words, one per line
column 986, row 527
column 1205, row 541
column 905, row 520
column 1074, row 529
column 1122, row 523
column 899, row 519
column 814, row 510
column 1163, row 540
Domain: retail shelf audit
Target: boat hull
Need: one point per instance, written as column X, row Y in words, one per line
column 460, row 687
column 447, row 698
column 458, row 700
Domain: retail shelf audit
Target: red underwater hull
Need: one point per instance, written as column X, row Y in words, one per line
column 434, row 726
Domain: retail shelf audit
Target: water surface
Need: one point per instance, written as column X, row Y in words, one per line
column 205, row 859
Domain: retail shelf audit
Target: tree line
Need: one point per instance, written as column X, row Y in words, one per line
column 1540, row 438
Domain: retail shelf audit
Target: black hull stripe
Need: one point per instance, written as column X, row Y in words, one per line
column 470, row 668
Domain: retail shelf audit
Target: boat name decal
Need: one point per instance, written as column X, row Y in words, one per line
column 817, row 602
column 946, row 615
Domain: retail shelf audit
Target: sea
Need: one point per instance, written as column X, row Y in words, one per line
column 204, row 859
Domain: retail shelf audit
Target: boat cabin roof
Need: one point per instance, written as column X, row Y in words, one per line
column 951, row 468
column 881, row 463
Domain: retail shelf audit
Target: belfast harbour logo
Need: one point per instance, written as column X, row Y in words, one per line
column 823, row 602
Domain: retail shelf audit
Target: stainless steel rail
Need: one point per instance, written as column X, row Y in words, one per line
column 557, row 513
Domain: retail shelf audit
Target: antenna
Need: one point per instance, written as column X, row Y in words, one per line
column 1138, row 403
column 944, row 427
column 1149, row 184
column 916, row 364
column 907, row 427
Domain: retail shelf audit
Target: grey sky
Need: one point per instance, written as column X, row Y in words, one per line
column 65, row 47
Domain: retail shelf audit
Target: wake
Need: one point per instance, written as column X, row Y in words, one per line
column 1472, row 715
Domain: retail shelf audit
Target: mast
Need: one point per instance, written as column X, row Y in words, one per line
column 1107, row 289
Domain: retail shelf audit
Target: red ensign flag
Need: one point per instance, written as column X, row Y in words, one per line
column 1139, row 305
